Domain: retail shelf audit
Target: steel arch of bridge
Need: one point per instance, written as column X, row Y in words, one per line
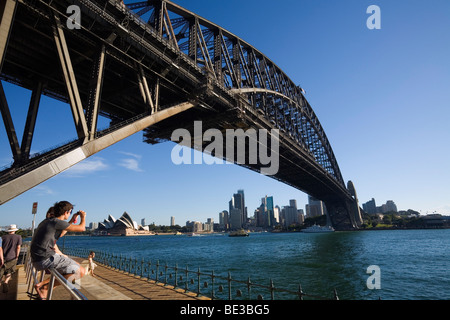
column 242, row 69
column 155, row 66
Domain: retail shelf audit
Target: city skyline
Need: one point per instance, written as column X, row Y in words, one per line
column 380, row 95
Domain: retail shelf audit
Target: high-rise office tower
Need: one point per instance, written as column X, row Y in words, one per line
column 315, row 207
column 237, row 210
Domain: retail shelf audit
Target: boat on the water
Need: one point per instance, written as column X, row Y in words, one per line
column 318, row 229
column 238, row 233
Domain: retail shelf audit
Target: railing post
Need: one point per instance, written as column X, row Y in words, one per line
column 198, row 282
column 165, row 273
column 51, row 284
column 249, row 286
column 212, row 285
column 149, row 271
column 229, row 285
column 271, row 290
column 176, row 275
column 335, row 295
column 157, row 270
column 187, row 279
column 300, row 292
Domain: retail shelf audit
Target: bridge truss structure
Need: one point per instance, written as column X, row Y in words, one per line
column 154, row 66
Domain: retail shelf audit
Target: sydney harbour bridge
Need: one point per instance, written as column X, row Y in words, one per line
column 155, row 67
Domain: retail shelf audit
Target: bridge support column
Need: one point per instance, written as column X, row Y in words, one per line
column 95, row 92
column 9, row 125
column 341, row 215
column 69, row 78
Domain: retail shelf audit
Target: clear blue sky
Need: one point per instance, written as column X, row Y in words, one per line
column 382, row 96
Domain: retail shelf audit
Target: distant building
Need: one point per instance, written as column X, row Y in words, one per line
column 266, row 215
column 93, row 225
column 223, row 220
column 237, row 211
column 315, row 207
column 197, row 226
column 290, row 215
column 124, row 226
column 390, row 206
column 172, row 221
column 235, row 219
column 370, row 207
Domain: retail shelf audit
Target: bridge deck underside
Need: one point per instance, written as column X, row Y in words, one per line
column 134, row 55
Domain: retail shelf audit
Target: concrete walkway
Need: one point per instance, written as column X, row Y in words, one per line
column 107, row 284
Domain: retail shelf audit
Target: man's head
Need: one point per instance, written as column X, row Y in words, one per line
column 60, row 208
column 12, row 229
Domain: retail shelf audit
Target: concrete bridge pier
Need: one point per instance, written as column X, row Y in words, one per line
column 345, row 214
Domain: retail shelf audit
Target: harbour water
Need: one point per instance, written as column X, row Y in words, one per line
column 413, row 264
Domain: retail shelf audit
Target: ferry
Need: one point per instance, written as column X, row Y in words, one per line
column 318, row 229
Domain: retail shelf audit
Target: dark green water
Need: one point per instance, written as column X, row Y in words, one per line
column 414, row 264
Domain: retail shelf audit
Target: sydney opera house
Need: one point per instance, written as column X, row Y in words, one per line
column 124, row 226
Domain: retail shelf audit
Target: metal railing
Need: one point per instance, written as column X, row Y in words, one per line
column 207, row 284
column 34, row 277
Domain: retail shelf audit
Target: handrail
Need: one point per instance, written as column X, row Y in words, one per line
column 74, row 292
column 32, row 279
column 183, row 277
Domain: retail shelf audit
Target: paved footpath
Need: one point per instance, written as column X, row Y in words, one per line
column 107, row 284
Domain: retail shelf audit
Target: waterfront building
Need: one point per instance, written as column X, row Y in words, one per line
column 390, row 206
column 235, row 219
column 124, row 226
column 243, row 207
column 290, row 215
column 93, row 225
column 265, row 214
column 315, row 207
column 276, row 214
column 224, row 223
column 301, row 216
column 237, row 210
column 270, row 211
column 293, row 203
column 370, row 207
column 209, row 225
column 172, row 221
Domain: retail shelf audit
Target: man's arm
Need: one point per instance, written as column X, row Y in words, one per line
column 78, row 227
column 18, row 251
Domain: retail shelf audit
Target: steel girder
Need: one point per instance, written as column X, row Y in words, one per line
column 127, row 65
column 245, row 71
column 40, row 53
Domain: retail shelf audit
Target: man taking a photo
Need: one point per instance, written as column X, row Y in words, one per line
column 45, row 253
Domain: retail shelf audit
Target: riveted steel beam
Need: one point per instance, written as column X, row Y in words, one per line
column 51, row 168
column 70, row 80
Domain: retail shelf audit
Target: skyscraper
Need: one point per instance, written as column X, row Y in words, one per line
column 370, row 206
column 315, row 207
column 223, row 219
column 244, row 208
column 237, row 210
